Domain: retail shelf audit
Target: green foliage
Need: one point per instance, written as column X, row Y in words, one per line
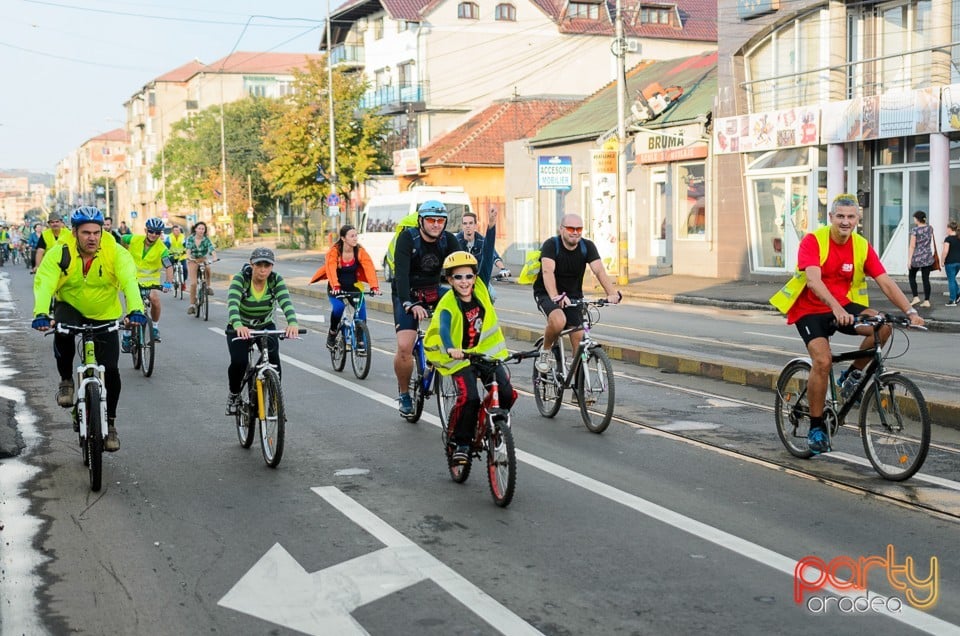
column 298, row 139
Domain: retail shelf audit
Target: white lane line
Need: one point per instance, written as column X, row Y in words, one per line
column 909, row 616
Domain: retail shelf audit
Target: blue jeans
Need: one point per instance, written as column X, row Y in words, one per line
column 951, row 270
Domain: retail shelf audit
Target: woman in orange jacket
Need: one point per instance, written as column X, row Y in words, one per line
column 347, row 264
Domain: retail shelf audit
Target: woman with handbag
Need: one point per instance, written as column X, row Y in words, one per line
column 922, row 257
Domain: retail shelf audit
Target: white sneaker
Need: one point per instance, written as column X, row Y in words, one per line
column 915, row 301
column 925, row 303
column 544, row 363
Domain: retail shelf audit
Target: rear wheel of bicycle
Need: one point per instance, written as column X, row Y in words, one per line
column 148, row 349
column 136, row 350
column 501, row 462
column 94, row 436
column 792, row 408
column 895, row 427
column 547, row 392
column 446, row 398
column 596, row 385
column 247, row 418
column 274, row 421
column 338, row 355
column 360, row 354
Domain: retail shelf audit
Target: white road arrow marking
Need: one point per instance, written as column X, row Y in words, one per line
column 279, row 590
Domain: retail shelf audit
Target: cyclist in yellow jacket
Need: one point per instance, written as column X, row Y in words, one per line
column 55, row 233
column 178, row 252
column 86, row 284
column 465, row 321
column 152, row 260
column 828, row 290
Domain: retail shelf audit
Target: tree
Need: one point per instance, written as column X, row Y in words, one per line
column 297, row 140
column 191, row 159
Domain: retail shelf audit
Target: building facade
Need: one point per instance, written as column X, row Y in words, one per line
column 821, row 98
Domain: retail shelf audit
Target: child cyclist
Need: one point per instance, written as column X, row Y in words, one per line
column 465, row 321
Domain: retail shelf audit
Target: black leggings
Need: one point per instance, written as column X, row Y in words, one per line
column 925, row 275
column 238, row 355
column 463, row 415
column 107, row 348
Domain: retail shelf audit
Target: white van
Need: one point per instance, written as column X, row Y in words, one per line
column 379, row 218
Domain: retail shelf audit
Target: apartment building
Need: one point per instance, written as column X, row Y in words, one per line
column 188, row 89
column 18, row 196
column 820, row 98
column 431, row 64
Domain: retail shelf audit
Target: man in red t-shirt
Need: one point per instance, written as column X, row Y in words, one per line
column 825, row 299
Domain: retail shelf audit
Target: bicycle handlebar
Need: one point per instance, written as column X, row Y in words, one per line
column 881, row 319
column 64, row 328
column 256, row 333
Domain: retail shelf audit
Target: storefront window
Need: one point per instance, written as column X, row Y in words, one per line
column 691, row 202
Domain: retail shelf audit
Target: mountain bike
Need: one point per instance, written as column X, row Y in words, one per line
column 494, row 436
column 261, row 400
column 424, row 378
column 178, row 282
column 90, row 406
column 203, row 290
column 142, row 342
column 588, row 374
column 353, row 336
column 894, row 422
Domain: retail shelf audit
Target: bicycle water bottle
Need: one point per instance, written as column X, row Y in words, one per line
column 849, row 381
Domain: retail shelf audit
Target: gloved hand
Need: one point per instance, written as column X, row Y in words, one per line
column 167, row 287
column 40, row 322
column 503, row 273
column 137, row 318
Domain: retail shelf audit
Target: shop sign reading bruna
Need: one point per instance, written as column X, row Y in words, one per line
column 676, row 143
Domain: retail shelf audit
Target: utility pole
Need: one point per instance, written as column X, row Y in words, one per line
column 250, row 204
column 620, row 50
column 333, row 142
column 223, row 154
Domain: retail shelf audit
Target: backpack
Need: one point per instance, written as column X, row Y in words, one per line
column 418, row 240
column 531, row 267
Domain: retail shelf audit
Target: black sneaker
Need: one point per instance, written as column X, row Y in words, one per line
column 461, row 456
column 233, row 404
column 331, row 340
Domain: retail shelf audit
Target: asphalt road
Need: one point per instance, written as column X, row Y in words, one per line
column 685, row 516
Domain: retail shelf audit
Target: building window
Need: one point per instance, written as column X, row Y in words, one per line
column 506, row 12
column 782, row 69
column 405, row 25
column 377, row 24
column 583, row 10
column 405, row 74
column 691, row 204
column 468, row 11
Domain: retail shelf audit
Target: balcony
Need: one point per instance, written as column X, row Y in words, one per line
column 392, row 99
column 347, row 56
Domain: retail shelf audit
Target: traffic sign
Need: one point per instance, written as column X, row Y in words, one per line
column 250, row 212
column 333, row 199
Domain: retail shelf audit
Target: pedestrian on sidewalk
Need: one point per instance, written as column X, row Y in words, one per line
column 921, row 257
column 951, row 262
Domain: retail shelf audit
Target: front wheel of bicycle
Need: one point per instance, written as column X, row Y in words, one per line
column 338, row 355
column 204, row 303
column 446, row 392
column 247, row 419
column 94, row 436
column 148, row 349
column 501, row 461
column 547, row 390
column 792, row 408
column 895, row 426
column 136, row 349
column 274, row 419
column 596, row 386
column 416, row 394
column 361, row 351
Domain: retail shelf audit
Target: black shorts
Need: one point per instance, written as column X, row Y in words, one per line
column 546, row 306
column 814, row 326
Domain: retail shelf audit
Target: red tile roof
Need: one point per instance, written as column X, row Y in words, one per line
column 182, row 73
column 248, row 62
column 117, row 134
column 480, row 140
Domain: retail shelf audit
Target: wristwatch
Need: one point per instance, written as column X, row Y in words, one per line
column 912, row 310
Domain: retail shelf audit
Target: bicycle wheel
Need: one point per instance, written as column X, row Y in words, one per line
column 204, row 304
column 416, row 393
column 274, row 419
column 94, row 436
column 148, row 349
column 501, row 461
column 135, row 348
column 446, row 398
column 547, row 390
column 338, row 355
column 177, row 282
column 596, row 388
column 459, row 472
column 895, row 426
column 792, row 408
column 247, row 417
column 361, row 351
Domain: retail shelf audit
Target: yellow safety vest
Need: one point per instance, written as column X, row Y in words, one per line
column 177, row 249
column 491, row 341
column 65, row 237
column 149, row 265
column 411, row 220
column 788, row 294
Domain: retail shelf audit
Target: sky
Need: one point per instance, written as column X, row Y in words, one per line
column 71, row 64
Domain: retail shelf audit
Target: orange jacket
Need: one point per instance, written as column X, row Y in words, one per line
column 367, row 273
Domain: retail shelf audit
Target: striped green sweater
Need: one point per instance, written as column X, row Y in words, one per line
column 244, row 310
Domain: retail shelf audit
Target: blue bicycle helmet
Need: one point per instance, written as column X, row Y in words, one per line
column 154, row 225
column 432, row 208
column 86, row 214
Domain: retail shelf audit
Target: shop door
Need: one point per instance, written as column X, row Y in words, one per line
column 658, row 218
column 901, row 192
column 782, row 205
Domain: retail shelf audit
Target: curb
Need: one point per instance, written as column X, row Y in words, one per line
column 941, row 413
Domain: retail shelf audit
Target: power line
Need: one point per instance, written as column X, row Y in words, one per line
column 73, row 59
column 168, row 18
